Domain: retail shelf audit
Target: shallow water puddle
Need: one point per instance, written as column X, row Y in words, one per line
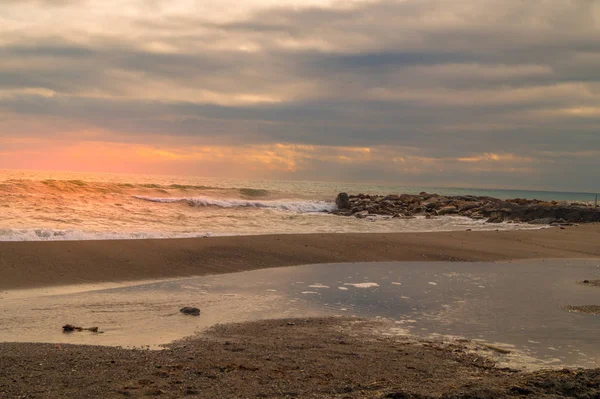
column 516, row 306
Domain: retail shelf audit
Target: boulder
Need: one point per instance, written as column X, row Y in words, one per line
column 470, row 206
column 342, row 201
column 447, row 210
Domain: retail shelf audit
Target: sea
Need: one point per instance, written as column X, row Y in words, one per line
column 46, row 206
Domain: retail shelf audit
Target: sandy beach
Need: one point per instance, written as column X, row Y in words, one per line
column 334, row 357
column 38, row 264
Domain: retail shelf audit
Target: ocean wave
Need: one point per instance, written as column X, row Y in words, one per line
column 78, row 235
column 75, row 186
column 292, row 206
column 253, row 192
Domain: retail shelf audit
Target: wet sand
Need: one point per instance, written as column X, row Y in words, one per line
column 316, row 358
column 38, row 264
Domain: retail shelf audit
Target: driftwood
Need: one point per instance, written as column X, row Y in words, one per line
column 68, row 328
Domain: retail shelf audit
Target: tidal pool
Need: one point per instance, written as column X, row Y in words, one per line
column 517, row 306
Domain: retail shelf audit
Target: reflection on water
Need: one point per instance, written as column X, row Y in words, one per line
column 515, row 305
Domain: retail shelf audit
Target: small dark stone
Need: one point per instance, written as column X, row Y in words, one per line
column 188, row 310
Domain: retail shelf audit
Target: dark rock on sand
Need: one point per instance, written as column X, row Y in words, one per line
column 591, row 283
column 188, row 310
column 342, row 201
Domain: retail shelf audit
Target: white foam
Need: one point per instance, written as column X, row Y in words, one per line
column 292, row 206
column 363, row 285
column 78, row 235
column 318, row 285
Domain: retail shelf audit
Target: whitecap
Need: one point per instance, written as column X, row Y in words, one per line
column 292, row 206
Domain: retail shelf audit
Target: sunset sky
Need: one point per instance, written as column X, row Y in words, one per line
column 502, row 93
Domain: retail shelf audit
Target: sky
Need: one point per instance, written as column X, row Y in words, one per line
column 471, row 93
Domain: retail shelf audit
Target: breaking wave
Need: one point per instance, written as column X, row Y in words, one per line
column 78, row 235
column 292, row 206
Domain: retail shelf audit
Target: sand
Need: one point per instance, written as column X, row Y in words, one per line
column 291, row 358
column 38, row 264
column 316, row 358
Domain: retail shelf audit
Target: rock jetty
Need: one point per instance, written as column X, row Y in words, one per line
column 493, row 210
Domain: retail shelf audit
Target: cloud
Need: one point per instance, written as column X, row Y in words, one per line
column 449, row 80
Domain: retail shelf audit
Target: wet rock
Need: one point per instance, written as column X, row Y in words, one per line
column 469, row 207
column 342, row 201
column 447, row 210
column 495, row 219
column 188, row 310
column 361, row 214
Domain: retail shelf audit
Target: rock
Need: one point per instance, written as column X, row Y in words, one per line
column 476, row 207
column 188, row 310
column 469, row 207
column 361, row 214
column 430, row 205
column 447, row 210
column 342, row 201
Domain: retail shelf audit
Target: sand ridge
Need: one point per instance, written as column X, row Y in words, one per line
column 39, row 264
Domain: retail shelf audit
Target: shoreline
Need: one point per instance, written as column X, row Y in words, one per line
column 39, row 264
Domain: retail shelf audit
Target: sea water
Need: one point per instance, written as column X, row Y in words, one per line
column 78, row 206
column 518, row 306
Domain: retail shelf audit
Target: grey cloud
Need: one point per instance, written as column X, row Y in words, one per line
column 490, row 77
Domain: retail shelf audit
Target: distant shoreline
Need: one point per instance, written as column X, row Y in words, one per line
column 41, row 264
